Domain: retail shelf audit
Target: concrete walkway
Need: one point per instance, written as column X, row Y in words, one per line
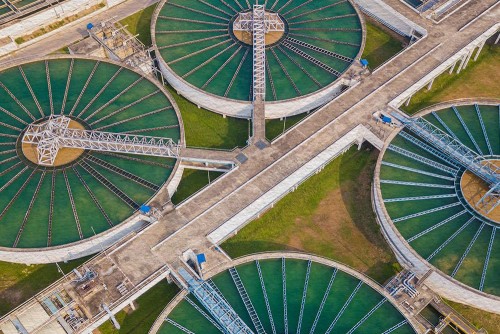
column 188, row 225
column 73, row 33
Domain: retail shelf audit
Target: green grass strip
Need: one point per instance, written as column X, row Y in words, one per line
column 330, row 215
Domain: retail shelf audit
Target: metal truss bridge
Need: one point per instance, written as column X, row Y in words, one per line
column 259, row 22
column 215, row 303
column 451, row 148
column 54, row 134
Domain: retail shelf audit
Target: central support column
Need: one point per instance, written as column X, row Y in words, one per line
column 259, row 73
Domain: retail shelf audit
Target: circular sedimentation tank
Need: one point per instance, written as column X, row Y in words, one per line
column 84, row 192
column 208, row 61
column 334, row 301
column 434, row 207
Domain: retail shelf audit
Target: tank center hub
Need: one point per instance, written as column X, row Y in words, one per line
column 274, row 27
column 473, row 190
column 64, row 155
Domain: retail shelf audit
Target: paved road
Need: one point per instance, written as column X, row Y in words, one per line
column 76, row 32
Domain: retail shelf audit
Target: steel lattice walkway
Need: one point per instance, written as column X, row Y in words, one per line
column 215, row 303
column 452, row 148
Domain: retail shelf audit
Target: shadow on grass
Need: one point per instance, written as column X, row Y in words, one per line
column 192, row 181
column 242, row 248
column 148, row 308
column 204, row 128
column 277, row 127
column 356, row 194
column 381, row 43
column 140, row 23
column 329, row 215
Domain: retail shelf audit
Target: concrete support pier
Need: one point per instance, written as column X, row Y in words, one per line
column 258, row 121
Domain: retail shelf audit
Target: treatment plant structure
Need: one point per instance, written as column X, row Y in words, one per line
column 92, row 150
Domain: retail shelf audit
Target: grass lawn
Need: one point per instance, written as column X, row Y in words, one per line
column 192, row 181
column 204, row 128
column 276, row 127
column 330, row 215
column 64, row 50
column 381, row 43
column 148, row 308
column 479, row 79
column 19, row 282
column 140, row 23
column 479, row 318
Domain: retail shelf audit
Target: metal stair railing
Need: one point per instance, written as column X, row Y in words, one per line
column 266, row 299
column 68, row 83
column 300, row 66
column 423, row 160
column 84, row 87
column 106, row 85
column 304, row 295
column 182, row 328
column 122, row 172
column 323, row 301
column 72, row 202
column 395, row 327
column 366, row 316
column 246, row 300
column 311, row 59
column 344, row 307
column 483, row 128
column 435, row 226
column 428, row 148
column 216, row 305
column 91, row 194
column 17, row 101
column 454, row 149
column 418, row 198
column 418, row 184
column 466, row 128
column 447, row 241
column 28, row 210
column 105, row 182
column 51, row 208
column 320, row 50
column 209, row 318
column 285, row 304
column 487, row 260
column 31, row 90
column 425, row 212
column 134, row 118
column 49, row 87
column 467, row 250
